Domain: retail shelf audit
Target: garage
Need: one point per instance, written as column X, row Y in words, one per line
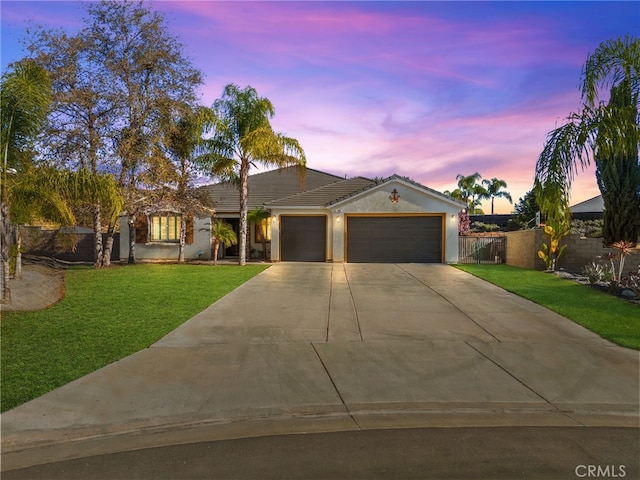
column 303, row 238
column 394, row 239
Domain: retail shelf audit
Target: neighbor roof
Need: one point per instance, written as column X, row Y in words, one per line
column 595, row 204
column 268, row 186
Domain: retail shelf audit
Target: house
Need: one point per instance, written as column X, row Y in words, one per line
column 591, row 209
column 323, row 218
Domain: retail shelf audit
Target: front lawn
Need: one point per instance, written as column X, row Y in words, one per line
column 608, row 316
column 106, row 315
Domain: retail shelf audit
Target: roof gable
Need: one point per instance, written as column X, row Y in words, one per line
column 410, row 183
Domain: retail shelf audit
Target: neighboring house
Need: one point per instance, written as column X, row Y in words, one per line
column 593, row 205
column 329, row 218
column 592, row 209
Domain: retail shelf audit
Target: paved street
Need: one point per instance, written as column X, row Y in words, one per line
column 536, row 453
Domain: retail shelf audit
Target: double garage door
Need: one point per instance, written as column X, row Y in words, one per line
column 409, row 239
column 370, row 239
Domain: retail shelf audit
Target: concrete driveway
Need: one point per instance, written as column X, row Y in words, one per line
column 332, row 347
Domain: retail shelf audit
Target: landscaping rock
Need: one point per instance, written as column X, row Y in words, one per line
column 630, row 294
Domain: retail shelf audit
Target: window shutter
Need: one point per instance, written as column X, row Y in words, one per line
column 189, row 232
column 142, row 228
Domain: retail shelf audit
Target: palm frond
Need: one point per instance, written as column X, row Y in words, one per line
column 612, row 63
column 223, row 232
column 565, row 150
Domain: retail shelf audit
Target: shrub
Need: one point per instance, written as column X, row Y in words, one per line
column 480, row 227
column 596, row 272
column 552, row 253
column 587, row 228
column 464, row 224
column 632, row 282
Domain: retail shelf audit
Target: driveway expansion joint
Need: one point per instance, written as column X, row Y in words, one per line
column 512, row 376
column 353, row 301
column 450, row 303
column 346, row 407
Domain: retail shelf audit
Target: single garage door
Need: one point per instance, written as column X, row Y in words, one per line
column 303, row 238
column 407, row 239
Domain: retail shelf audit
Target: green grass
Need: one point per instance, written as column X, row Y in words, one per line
column 106, row 315
column 608, row 316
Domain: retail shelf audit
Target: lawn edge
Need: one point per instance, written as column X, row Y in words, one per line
column 610, row 337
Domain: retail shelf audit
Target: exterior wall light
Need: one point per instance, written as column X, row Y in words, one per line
column 395, row 196
column 274, row 218
column 338, row 219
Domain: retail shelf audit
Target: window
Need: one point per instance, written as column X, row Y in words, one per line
column 165, row 228
column 263, row 226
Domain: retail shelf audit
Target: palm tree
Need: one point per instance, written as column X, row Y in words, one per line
column 183, row 128
column 25, row 95
column 470, row 191
column 256, row 217
column 494, row 190
column 242, row 137
column 46, row 193
column 607, row 133
column 221, row 232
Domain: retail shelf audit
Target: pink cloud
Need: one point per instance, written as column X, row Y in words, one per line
column 423, row 89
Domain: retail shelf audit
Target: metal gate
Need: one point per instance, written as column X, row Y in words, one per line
column 480, row 249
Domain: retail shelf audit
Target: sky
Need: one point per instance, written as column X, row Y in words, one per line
column 427, row 90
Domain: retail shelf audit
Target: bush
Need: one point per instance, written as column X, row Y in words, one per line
column 480, row 227
column 596, row 272
column 587, row 228
column 514, row 224
column 632, row 282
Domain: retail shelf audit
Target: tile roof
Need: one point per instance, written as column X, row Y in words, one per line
column 324, row 195
column 266, row 187
column 282, row 188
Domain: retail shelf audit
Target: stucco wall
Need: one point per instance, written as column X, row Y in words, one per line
column 412, row 201
column 169, row 251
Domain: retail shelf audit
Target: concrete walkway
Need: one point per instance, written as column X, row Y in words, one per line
column 322, row 348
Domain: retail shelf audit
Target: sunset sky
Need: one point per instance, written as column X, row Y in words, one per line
column 422, row 89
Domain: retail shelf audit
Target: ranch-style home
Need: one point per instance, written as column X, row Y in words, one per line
column 321, row 218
